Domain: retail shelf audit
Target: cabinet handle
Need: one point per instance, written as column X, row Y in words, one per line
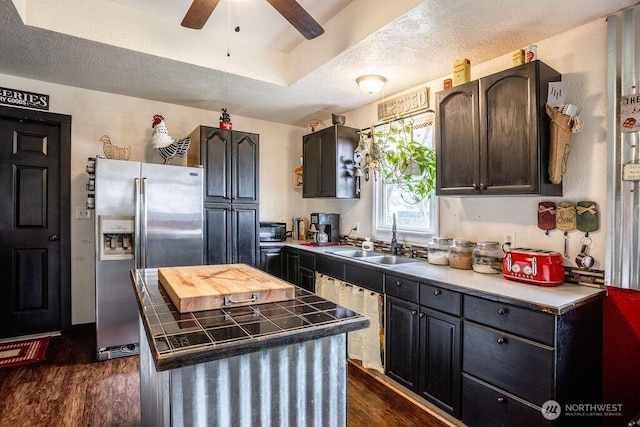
column 413, row 312
column 501, row 340
column 502, row 311
column 398, row 282
column 474, row 186
column 483, row 186
column 421, row 314
column 501, row 400
column 437, row 292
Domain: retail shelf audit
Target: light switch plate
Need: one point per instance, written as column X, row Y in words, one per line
column 83, row 213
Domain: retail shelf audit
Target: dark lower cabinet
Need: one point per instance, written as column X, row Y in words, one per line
column 298, row 268
column 271, row 261
column 440, row 359
column 231, row 234
column 402, row 336
column 307, row 279
column 290, row 265
column 424, row 352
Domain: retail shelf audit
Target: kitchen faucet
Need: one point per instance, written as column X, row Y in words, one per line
column 394, row 242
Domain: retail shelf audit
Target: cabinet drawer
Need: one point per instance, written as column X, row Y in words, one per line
column 307, row 260
column 511, row 363
column 400, row 287
column 535, row 325
column 370, row 279
column 484, row 405
column 440, row 299
column 330, row 267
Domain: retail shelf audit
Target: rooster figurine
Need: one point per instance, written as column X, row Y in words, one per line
column 112, row 151
column 164, row 144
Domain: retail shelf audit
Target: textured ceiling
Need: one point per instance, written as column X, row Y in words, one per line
column 99, row 45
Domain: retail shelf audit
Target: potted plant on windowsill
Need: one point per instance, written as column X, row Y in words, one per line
column 405, row 162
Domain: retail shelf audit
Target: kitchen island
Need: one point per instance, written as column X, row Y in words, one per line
column 262, row 364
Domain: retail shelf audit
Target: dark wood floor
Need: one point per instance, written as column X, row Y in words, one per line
column 71, row 389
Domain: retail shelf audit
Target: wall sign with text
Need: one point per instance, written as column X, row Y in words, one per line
column 630, row 113
column 21, row 98
column 403, row 105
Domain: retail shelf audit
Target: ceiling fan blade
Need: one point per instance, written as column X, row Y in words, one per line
column 298, row 17
column 198, row 13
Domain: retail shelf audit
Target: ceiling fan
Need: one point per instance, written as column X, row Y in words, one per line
column 200, row 11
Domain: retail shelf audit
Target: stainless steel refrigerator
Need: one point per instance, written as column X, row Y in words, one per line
column 146, row 215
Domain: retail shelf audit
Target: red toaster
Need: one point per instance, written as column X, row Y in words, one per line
column 535, row 266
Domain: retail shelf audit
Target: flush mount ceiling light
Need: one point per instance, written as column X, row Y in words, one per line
column 371, row 83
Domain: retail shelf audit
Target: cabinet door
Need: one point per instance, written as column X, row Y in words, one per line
column 291, row 266
column 307, row 279
column 271, row 261
column 508, row 131
column 327, row 162
column 218, row 234
column 311, row 165
column 402, row 342
column 244, row 242
column 458, row 140
column 440, row 359
column 217, row 151
column 245, row 167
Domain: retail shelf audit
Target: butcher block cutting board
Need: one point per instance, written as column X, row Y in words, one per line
column 205, row 287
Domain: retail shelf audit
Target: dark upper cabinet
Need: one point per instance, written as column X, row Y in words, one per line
column 328, row 163
column 492, row 135
column 230, row 160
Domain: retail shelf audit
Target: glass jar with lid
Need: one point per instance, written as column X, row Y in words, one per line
column 487, row 258
column 461, row 254
column 438, row 250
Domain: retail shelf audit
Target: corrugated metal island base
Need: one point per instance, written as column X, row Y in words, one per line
column 279, row 363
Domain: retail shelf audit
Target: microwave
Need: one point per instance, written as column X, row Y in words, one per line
column 273, row 231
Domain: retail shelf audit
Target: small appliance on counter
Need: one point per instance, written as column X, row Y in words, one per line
column 328, row 223
column 273, row 231
column 534, row 266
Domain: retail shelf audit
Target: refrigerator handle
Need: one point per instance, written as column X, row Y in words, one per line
column 143, row 249
column 136, row 226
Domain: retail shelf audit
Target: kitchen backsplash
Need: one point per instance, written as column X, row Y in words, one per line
column 575, row 275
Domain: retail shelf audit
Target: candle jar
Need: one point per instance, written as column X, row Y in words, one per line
column 461, row 254
column 438, row 250
column 487, row 258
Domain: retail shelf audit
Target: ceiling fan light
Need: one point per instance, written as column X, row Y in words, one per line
column 371, row 83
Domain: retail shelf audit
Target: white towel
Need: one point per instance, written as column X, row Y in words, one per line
column 372, row 338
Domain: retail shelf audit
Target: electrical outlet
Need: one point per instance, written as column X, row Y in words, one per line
column 510, row 238
column 83, row 213
column 356, row 226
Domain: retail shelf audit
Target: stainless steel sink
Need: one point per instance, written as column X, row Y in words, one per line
column 391, row 260
column 356, row 253
column 374, row 257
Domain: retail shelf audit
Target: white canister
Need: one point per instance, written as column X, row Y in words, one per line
column 367, row 245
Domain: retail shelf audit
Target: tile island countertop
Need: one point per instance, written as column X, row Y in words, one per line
column 554, row 300
column 182, row 339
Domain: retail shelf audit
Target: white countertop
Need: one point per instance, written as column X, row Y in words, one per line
column 556, row 300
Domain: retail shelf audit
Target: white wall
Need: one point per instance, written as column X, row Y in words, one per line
column 580, row 56
column 127, row 121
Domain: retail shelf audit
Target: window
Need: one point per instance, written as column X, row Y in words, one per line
column 412, row 220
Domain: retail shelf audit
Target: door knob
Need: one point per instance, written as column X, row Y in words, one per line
column 53, row 237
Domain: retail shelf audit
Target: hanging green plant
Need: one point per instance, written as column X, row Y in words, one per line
column 405, row 162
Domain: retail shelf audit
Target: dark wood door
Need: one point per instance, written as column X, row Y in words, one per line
column 217, row 153
column 245, row 167
column 458, row 140
column 508, row 137
column 328, row 162
column 291, row 266
column 402, row 341
column 440, row 359
column 311, row 165
column 244, row 245
column 34, row 222
column 218, row 233
column 307, row 279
